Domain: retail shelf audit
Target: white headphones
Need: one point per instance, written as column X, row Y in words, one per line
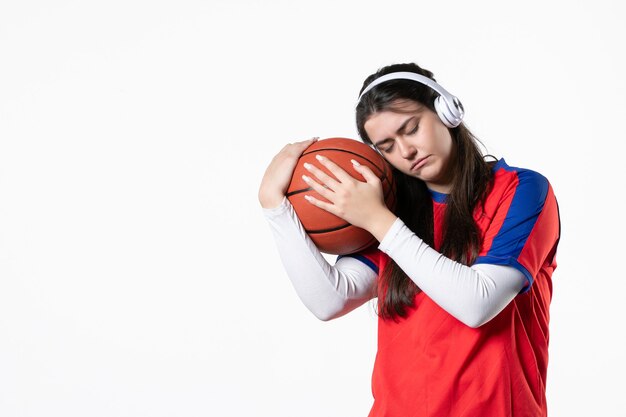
column 449, row 108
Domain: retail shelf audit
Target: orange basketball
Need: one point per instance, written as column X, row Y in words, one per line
column 330, row 233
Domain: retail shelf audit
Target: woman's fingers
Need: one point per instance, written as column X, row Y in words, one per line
column 307, row 143
column 367, row 173
column 322, row 176
column 322, row 190
column 335, row 169
column 329, row 207
column 340, row 174
column 279, row 172
column 352, row 199
column 297, row 148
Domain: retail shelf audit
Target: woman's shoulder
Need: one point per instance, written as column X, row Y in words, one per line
column 505, row 174
column 526, row 185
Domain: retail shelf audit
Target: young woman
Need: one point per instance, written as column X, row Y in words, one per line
column 463, row 269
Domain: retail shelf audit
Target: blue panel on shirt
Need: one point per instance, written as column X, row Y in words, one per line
column 527, row 204
column 528, row 201
column 363, row 259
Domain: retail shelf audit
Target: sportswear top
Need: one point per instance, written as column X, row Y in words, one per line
column 431, row 364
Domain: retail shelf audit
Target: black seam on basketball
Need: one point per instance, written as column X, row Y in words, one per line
column 333, row 229
column 343, row 150
column 304, row 190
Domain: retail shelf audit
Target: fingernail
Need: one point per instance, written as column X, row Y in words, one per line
column 305, row 178
column 307, row 165
column 320, row 158
column 355, row 163
column 308, row 198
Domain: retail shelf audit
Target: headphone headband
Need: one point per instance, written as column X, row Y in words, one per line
column 404, row 75
column 451, row 112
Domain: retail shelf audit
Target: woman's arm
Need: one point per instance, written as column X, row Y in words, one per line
column 473, row 295
column 327, row 291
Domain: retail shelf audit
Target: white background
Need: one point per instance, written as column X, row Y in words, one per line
column 137, row 274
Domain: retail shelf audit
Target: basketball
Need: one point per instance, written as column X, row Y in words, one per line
column 330, row 233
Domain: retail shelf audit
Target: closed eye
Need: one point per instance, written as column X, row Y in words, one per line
column 388, row 148
column 385, row 146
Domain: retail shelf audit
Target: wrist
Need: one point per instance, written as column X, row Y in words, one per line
column 381, row 223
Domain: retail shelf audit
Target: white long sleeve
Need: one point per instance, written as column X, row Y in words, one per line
column 474, row 295
column 327, row 291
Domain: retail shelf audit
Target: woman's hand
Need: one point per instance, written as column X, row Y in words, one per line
column 359, row 203
column 279, row 172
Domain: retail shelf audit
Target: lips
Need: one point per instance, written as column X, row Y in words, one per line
column 419, row 163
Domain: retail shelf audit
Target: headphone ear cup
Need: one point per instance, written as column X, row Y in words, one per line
column 444, row 113
column 450, row 117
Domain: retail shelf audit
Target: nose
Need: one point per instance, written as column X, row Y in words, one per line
column 407, row 150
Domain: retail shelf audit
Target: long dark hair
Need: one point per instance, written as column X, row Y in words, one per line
column 472, row 175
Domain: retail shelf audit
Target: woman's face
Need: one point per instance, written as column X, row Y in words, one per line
column 416, row 142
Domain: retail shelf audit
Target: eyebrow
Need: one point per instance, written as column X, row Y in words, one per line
column 400, row 130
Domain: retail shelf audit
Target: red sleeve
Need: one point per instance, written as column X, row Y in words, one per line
column 525, row 227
